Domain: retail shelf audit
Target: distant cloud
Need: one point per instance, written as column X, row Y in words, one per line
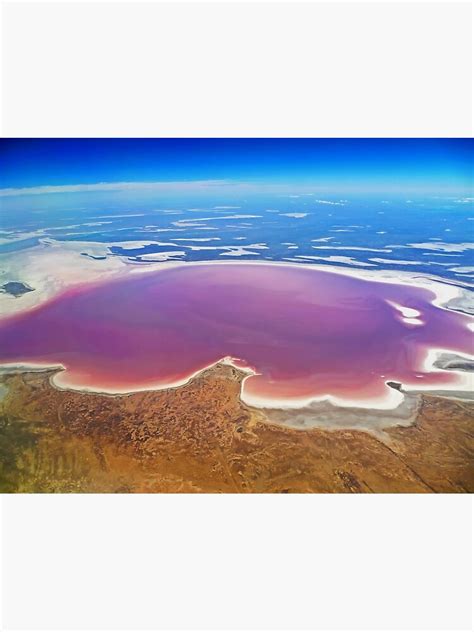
column 351, row 248
column 339, row 203
column 443, row 247
column 183, row 224
column 198, row 239
column 288, row 190
column 194, row 220
column 297, row 215
column 111, row 186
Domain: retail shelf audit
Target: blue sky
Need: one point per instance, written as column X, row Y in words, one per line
column 424, row 166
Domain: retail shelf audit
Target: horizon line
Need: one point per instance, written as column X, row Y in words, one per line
column 236, row 185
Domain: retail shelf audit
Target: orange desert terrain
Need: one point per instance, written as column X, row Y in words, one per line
column 200, row 437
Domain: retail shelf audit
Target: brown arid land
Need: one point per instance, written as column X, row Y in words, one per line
column 201, row 438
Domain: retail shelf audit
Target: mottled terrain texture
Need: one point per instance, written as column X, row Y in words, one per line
column 202, row 438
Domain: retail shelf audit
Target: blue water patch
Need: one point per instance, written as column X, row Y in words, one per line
column 18, row 245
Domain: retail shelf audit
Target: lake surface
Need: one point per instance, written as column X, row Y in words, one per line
column 306, row 333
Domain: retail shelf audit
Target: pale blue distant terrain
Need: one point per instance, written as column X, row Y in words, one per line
column 431, row 234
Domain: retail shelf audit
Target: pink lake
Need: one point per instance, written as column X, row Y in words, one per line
column 306, row 333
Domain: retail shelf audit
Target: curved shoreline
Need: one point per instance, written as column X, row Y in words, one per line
column 461, row 390
column 444, row 294
column 158, row 442
column 70, row 270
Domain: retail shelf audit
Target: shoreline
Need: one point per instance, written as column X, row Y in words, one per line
column 443, row 291
column 72, row 269
column 462, row 390
column 160, row 443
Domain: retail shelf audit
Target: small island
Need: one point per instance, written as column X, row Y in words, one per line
column 16, row 288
